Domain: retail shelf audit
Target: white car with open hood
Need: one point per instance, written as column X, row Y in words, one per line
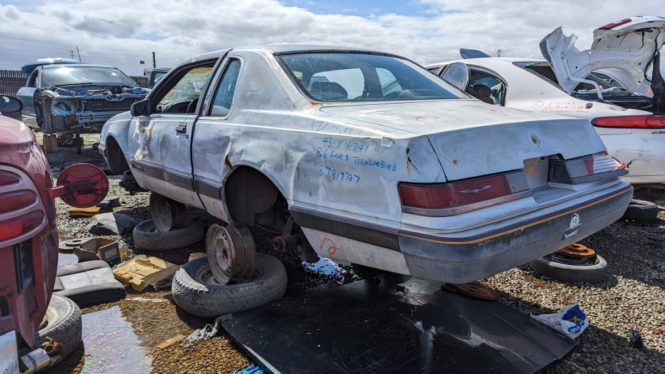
column 369, row 159
column 614, row 84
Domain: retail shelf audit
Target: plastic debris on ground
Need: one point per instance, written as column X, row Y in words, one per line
column 84, row 212
column 112, row 224
column 571, row 321
column 207, row 331
column 327, row 268
column 143, row 271
column 169, row 342
column 251, row 369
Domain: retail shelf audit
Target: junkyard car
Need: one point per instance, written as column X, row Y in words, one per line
column 29, row 240
column 71, row 97
column 377, row 161
column 611, row 84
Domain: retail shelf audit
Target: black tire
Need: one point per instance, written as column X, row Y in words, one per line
column 167, row 214
column 213, row 300
column 115, row 158
column 148, row 238
column 63, row 324
column 574, row 273
column 641, row 211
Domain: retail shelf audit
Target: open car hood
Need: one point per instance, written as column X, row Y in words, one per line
column 622, row 50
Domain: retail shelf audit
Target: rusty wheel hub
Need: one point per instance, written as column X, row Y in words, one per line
column 578, row 250
column 231, row 253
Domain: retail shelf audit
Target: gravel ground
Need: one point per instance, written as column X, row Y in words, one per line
column 632, row 297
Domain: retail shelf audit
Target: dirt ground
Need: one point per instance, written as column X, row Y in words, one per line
column 631, row 298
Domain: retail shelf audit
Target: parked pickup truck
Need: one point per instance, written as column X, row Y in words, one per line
column 369, row 156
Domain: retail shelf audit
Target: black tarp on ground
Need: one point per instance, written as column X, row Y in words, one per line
column 374, row 326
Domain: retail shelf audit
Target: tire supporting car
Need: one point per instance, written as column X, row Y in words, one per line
column 642, row 211
column 63, row 325
column 196, row 291
column 574, row 264
column 148, row 238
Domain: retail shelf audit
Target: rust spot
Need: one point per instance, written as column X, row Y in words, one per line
column 455, row 162
column 227, row 162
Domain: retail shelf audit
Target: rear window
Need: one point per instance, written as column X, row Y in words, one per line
column 333, row 77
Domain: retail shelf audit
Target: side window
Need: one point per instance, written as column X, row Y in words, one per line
column 182, row 96
column 486, row 87
column 32, row 79
column 390, row 87
column 456, row 74
column 221, row 103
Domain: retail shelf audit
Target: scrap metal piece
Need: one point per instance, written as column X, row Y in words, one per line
column 578, row 250
column 473, row 290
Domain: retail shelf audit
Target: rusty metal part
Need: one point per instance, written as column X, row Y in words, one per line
column 231, row 253
column 578, row 250
column 473, row 290
column 52, row 347
column 293, row 238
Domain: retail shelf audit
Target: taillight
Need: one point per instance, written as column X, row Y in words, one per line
column 586, row 169
column 612, row 25
column 18, row 226
column 7, row 178
column 631, row 122
column 469, row 193
column 16, row 200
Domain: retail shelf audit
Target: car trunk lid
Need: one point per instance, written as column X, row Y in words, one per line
column 623, row 50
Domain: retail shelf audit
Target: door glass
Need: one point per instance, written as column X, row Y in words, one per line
column 486, row 87
column 221, row 104
column 184, row 94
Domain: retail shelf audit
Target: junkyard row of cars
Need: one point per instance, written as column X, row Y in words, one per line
column 369, row 158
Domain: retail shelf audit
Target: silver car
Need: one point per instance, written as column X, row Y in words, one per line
column 365, row 157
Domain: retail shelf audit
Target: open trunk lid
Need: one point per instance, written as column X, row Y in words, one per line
column 623, row 50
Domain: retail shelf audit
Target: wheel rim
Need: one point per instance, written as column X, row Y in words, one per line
column 231, row 253
column 160, row 209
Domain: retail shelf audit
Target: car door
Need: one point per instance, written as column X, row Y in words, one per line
column 27, row 95
column 163, row 157
column 212, row 138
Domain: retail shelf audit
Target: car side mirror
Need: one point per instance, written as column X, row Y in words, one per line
column 10, row 104
column 81, row 185
column 140, row 108
column 457, row 74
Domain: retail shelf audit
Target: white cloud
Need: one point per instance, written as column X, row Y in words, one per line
column 123, row 32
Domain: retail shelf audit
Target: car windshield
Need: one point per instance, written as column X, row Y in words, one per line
column 328, row 76
column 71, row 75
column 608, row 86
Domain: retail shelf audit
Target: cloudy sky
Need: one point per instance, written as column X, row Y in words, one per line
column 123, row 32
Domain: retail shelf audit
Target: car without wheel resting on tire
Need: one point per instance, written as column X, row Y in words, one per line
column 365, row 157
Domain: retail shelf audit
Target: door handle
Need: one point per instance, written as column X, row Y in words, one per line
column 181, row 128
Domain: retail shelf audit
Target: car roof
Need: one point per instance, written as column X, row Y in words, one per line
column 53, row 66
column 287, row 48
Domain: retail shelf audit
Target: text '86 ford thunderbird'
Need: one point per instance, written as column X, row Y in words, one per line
column 377, row 161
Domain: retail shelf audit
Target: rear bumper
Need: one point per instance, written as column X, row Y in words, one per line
column 461, row 258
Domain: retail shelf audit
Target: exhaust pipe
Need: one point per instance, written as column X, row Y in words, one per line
column 38, row 360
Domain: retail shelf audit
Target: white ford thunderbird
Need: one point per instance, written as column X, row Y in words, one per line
column 369, row 159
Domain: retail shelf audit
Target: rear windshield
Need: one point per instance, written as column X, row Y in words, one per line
column 337, row 77
column 608, row 86
column 71, row 75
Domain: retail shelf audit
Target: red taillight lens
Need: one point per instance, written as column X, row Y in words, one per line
column 7, row 178
column 20, row 225
column 612, row 25
column 16, row 200
column 631, row 122
column 454, row 194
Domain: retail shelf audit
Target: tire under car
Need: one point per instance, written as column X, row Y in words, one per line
column 148, row 238
column 195, row 291
column 592, row 270
column 63, row 324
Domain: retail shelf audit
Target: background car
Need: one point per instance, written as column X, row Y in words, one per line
column 610, row 84
column 29, row 243
column 364, row 157
column 72, row 97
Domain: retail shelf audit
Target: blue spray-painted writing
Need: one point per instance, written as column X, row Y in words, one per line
column 381, row 164
column 340, row 175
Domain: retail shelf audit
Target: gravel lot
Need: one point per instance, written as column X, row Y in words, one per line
column 632, row 297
